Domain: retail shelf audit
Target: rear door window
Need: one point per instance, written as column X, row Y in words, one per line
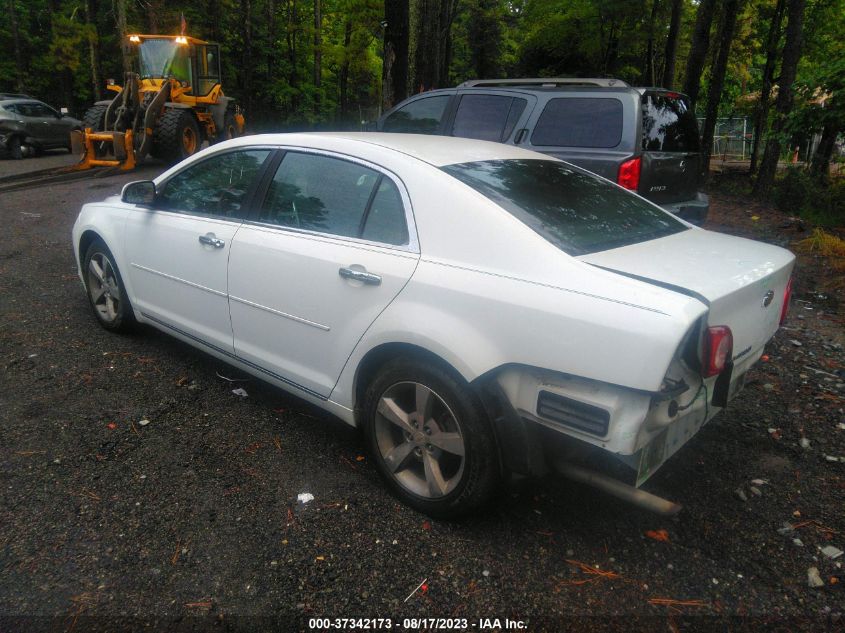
column 579, row 122
column 487, row 117
column 418, row 117
column 669, row 124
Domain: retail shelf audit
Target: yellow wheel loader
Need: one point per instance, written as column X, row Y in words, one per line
column 166, row 110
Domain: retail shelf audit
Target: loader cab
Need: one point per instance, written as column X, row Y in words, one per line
column 191, row 62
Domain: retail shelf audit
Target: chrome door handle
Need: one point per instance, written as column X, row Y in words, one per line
column 211, row 240
column 360, row 275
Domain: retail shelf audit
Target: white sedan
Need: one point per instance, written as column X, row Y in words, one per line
column 477, row 309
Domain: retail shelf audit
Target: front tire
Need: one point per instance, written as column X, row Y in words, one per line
column 15, row 149
column 106, row 292
column 95, row 118
column 176, row 136
column 430, row 438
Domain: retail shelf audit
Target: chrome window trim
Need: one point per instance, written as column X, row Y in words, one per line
column 413, row 245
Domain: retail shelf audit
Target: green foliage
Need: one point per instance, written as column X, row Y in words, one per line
column 798, row 193
column 269, row 50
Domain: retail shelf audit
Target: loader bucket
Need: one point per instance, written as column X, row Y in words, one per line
column 119, row 145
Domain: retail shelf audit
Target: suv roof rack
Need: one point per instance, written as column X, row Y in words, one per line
column 546, row 82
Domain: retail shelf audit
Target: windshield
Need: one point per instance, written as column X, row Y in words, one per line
column 576, row 211
column 162, row 58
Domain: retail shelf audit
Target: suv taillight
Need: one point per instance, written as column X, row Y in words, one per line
column 718, row 349
column 787, row 296
column 629, row 174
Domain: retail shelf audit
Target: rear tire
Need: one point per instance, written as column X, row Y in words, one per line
column 106, row 292
column 176, row 136
column 229, row 129
column 441, row 460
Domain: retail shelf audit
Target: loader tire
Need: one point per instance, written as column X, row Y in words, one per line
column 95, row 118
column 176, row 136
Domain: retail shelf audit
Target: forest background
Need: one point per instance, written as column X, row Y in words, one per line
column 334, row 64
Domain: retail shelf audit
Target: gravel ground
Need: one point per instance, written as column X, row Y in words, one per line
column 50, row 159
column 190, row 521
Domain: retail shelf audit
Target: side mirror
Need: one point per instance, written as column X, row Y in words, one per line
column 140, row 192
column 63, row 112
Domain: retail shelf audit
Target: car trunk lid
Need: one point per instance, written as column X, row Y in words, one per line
column 741, row 281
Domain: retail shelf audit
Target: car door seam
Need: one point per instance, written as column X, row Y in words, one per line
column 369, row 327
column 228, row 298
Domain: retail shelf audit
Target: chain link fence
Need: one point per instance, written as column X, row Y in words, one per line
column 733, row 138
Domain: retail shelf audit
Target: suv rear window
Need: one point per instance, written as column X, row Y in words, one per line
column 669, row 125
column 579, row 122
column 573, row 209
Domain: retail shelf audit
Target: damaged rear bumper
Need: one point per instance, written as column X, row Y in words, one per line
column 543, row 418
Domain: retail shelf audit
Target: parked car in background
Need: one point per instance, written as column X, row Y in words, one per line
column 645, row 139
column 28, row 123
column 477, row 308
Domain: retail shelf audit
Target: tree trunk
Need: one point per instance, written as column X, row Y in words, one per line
column 154, row 8
column 395, row 68
column 820, row 165
column 448, row 12
column 698, row 52
column 293, row 26
column 343, row 80
column 94, row 49
column 761, row 115
column 672, row 44
column 427, row 46
column 789, row 67
column 717, row 79
column 246, row 60
column 16, row 40
column 271, row 38
column 318, row 55
column 120, row 18
column 648, row 64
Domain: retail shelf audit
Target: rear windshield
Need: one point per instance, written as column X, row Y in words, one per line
column 576, row 211
column 669, row 124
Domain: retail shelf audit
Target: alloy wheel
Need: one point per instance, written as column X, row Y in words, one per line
column 103, row 287
column 419, row 439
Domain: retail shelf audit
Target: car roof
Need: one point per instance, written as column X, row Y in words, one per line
column 435, row 150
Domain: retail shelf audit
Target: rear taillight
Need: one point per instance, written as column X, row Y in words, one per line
column 629, row 174
column 787, row 295
column 718, row 348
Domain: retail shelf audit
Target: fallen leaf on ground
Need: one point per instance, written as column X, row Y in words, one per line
column 658, row 535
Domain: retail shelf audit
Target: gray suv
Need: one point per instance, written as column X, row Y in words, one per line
column 30, row 126
column 644, row 139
